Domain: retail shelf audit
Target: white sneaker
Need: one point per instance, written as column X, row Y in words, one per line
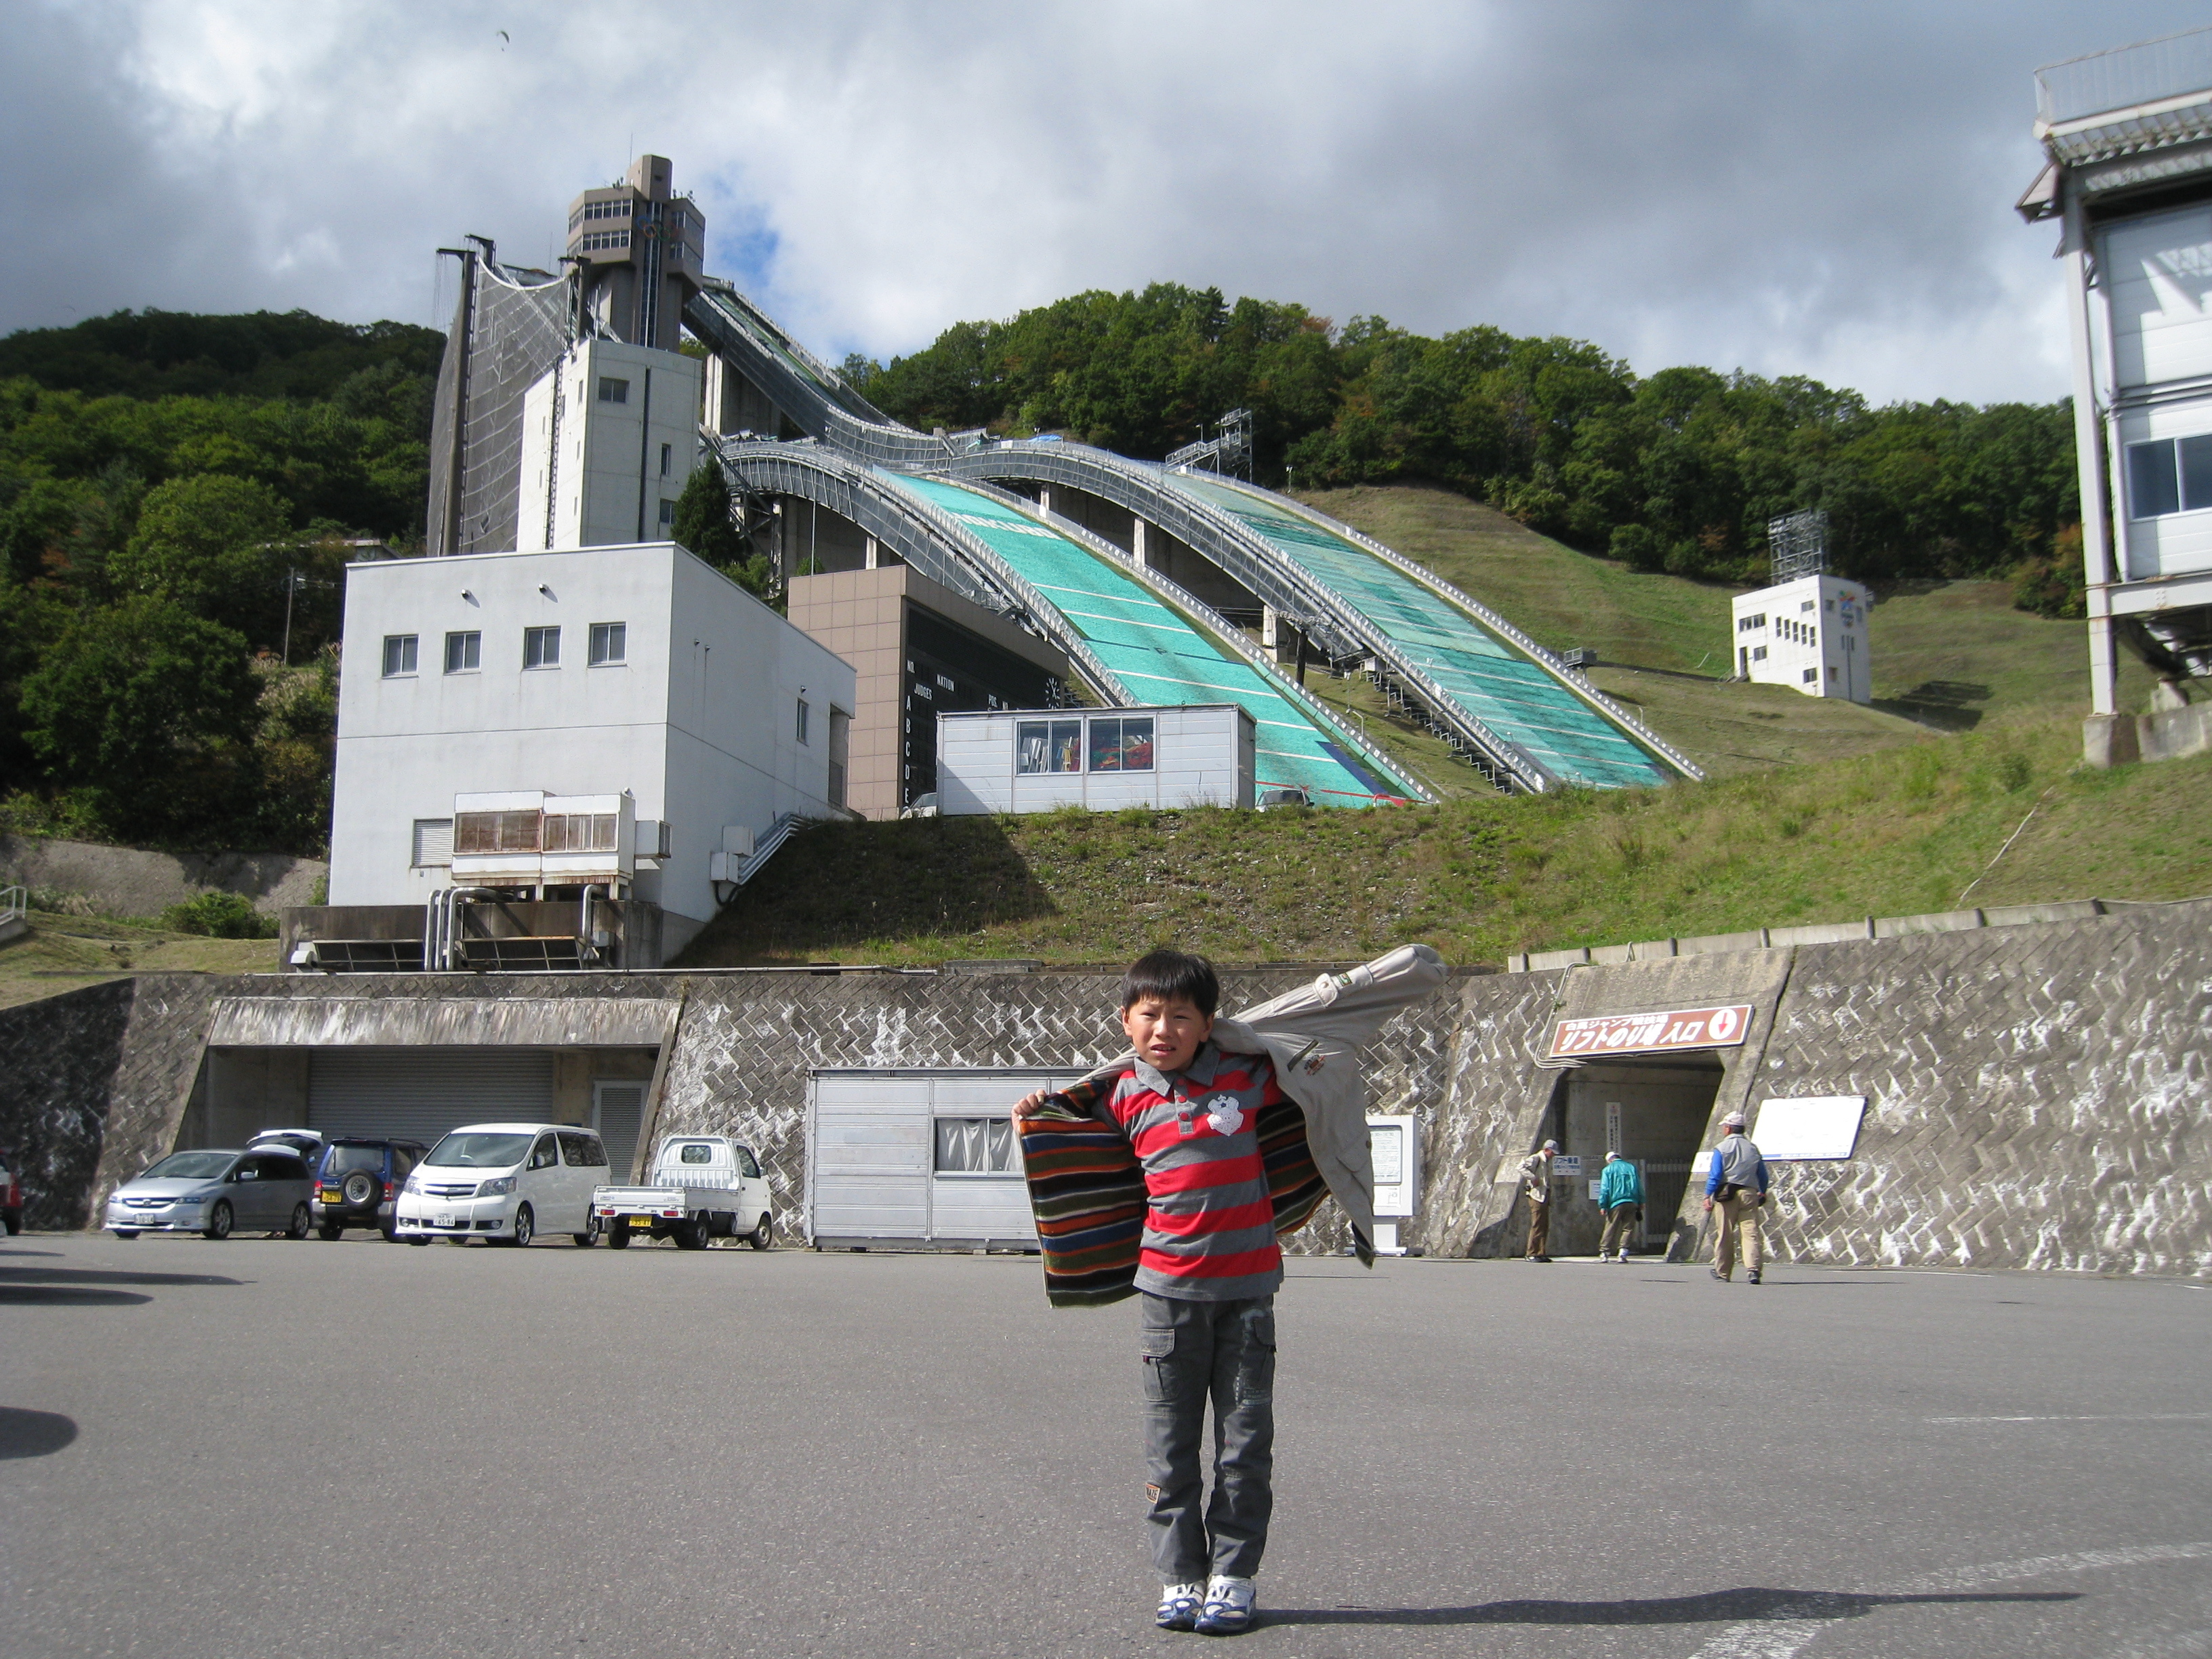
column 1179, row 1606
column 1229, row 1609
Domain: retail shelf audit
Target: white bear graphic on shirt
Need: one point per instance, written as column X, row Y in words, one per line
column 1226, row 1117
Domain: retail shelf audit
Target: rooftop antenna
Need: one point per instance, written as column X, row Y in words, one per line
column 1799, row 545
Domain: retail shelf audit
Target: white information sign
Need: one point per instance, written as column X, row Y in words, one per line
column 1394, row 1149
column 1594, row 1187
column 1565, row 1168
column 1808, row 1128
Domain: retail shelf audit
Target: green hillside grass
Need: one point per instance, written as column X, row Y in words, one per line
column 1897, row 831
column 64, row 952
column 1948, row 656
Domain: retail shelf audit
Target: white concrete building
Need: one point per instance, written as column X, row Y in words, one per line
column 1810, row 635
column 1036, row 760
column 609, row 438
column 636, row 676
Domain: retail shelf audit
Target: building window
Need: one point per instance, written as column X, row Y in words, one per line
column 1122, row 744
column 433, row 843
column 667, row 511
column 398, row 654
column 667, row 460
column 1759, row 653
column 1048, row 746
column 1812, row 676
column 581, row 832
column 541, row 647
column 464, row 652
column 610, row 643
column 612, row 391
column 496, row 832
column 2171, row 474
column 975, row 1145
column 1745, row 625
column 802, row 713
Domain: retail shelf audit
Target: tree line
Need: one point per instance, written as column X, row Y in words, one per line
column 176, row 495
column 1680, row 471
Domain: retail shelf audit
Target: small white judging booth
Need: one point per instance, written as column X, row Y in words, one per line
column 1036, row 760
column 909, row 1158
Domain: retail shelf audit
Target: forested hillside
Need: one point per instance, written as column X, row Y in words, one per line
column 174, row 495
column 1677, row 471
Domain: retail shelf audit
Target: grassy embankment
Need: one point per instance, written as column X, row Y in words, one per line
column 1814, row 810
column 62, row 952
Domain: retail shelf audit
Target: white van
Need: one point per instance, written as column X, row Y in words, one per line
column 505, row 1183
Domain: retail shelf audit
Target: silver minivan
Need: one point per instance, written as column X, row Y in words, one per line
column 261, row 1189
column 505, row 1183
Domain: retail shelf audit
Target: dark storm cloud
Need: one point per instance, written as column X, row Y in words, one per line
column 1821, row 189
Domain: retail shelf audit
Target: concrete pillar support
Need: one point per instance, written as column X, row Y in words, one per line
column 874, row 556
column 1139, row 550
column 1044, row 497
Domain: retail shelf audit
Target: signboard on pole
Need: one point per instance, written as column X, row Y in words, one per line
column 1664, row 1032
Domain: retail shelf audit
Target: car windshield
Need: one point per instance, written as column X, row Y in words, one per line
column 480, row 1151
column 190, row 1166
column 342, row 1157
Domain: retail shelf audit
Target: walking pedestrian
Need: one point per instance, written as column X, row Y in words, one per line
column 1536, row 1187
column 1620, row 1195
column 1736, row 1191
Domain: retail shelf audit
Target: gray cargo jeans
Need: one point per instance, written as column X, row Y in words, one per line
column 1194, row 1351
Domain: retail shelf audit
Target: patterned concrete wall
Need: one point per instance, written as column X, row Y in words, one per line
column 59, row 1059
column 2038, row 1094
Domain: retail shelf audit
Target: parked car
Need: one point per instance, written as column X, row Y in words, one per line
column 308, row 1143
column 216, row 1193
column 506, row 1183
column 703, row 1187
column 11, row 1196
column 357, row 1184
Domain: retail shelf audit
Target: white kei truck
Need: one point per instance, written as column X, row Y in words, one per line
column 702, row 1187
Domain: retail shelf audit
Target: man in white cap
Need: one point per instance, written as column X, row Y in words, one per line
column 1536, row 1187
column 1736, row 1188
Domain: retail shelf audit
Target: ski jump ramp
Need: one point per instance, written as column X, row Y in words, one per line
column 940, row 501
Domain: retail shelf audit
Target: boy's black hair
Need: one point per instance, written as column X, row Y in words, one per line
column 1172, row 976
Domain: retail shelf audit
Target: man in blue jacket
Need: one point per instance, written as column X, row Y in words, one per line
column 1620, row 1195
column 1737, row 1189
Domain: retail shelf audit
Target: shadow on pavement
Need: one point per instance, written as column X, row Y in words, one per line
column 1717, row 1607
column 32, row 1434
column 105, row 1276
column 67, row 1296
column 30, row 1253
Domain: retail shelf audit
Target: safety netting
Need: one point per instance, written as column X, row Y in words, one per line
column 1160, row 655
column 515, row 322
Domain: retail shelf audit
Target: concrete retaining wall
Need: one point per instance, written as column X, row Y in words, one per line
column 123, row 881
column 2038, row 1095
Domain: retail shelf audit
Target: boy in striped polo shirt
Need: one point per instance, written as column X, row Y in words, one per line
column 1207, row 1269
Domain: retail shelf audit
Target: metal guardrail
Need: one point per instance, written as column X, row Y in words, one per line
column 934, row 543
column 1182, row 598
column 15, row 903
column 765, row 847
column 2106, row 81
column 1542, row 656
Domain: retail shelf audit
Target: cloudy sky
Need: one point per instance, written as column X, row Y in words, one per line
column 1820, row 188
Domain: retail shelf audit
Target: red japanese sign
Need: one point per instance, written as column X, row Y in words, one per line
column 1644, row 1034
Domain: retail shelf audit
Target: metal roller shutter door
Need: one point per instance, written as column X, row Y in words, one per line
column 417, row 1094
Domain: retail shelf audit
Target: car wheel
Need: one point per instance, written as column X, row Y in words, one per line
column 359, row 1186
column 220, row 1220
column 590, row 1235
column 762, row 1236
column 330, row 1235
column 618, row 1238
column 303, row 1219
column 391, row 1235
column 128, row 1235
column 694, row 1234
column 525, row 1227
column 418, row 1238
column 13, row 1220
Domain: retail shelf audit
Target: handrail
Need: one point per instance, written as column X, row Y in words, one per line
column 1542, row 656
column 15, row 903
column 1183, row 599
column 778, row 833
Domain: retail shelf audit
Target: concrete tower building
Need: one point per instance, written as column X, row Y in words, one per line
column 2128, row 135
column 641, row 251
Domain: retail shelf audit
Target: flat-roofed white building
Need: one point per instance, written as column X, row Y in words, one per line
column 609, row 438
column 623, row 718
column 1810, row 635
column 1036, row 760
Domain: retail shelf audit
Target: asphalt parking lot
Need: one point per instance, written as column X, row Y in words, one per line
column 269, row 1448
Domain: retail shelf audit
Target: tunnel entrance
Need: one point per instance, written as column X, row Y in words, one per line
column 1652, row 1112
